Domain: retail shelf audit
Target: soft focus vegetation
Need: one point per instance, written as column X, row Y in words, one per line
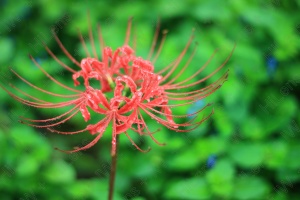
column 249, row 149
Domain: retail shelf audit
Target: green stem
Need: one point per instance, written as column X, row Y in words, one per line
column 113, row 173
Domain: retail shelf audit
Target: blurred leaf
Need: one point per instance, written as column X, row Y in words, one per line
column 220, row 178
column 193, row 188
column 59, row 172
column 253, row 129
column 255, row 17
column 138, row 198
column 212, row 145
column 207, row 11
column 292, row 159
column 185, row 160
column 288, row 176
column 83, row 189
column 3, row 145
column 250, row 187
column 171, row 8
column 27, row 166
column 6, row 49
column 276, row 152
column 222, row 122
column 23, row 136
column 247, row 155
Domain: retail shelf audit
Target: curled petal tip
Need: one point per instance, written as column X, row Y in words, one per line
column 49, row 129
column 52, row 31
column 57, row 149
column 209, row 104
column 149, row 149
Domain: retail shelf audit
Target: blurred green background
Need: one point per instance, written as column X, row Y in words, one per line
column 248, row 150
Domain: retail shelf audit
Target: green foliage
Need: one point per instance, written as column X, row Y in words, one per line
column 193, row 188
column 250, row 187
column 253, row 135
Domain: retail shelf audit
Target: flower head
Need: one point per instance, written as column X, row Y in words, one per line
column 135, row 86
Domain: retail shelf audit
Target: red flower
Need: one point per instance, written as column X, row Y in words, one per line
column 135, row 86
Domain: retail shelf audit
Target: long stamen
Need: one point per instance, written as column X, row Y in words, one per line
column 153, row 45
column 92, row 37
column 165, row 122
column 136, row 146
column 68, row 132
column 178, row 60
column 84, row 44
column 140, row 131
column 65, row 50
column 100, row 38
column 24, row 93
column 193, row 96
column 217, row 82
column 190, row 102
column 199, row 71
column 213, row 86
column 177, row 116
column 134, row 40
column 43, row 105
column 57, row 60
column 205, row 65
column 51, row 125
column 185, row 66
column 165, row 32
column 42, row 90
column 199, row 81
column 51, row 78
column 40, row 105
column 149, row 132
column 167, row 67
column 128, row 30
column 196, row 125
column 170, row 125
column 50, row 119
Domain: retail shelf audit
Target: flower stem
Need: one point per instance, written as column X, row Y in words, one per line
column 113, row 172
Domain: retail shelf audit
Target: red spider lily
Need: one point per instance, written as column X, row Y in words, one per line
column 135, row 86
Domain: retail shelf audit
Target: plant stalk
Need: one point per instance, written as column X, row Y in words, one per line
column 113, row 172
